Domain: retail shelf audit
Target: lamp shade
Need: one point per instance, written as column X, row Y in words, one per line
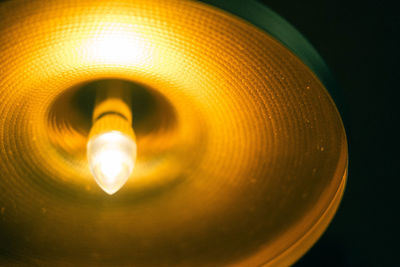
column 241, row 151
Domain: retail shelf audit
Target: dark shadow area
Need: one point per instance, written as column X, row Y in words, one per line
column 359, row 41
column 328, row 253
column 151, row 111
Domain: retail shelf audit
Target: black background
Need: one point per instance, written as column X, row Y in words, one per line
column 359, row 42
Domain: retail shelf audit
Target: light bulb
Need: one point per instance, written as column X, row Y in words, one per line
column 111, row 157
column 111, row 149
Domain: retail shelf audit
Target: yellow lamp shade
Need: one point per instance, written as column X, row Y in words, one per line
column 241, row 152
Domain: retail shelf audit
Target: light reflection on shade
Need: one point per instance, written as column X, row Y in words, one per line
column 238, row 179
column 117, row 43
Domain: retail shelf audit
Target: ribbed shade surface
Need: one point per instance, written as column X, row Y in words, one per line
column 241, row 153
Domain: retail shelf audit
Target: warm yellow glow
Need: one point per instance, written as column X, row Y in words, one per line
column 112, row 158
column 229, row 126
column 117, row 43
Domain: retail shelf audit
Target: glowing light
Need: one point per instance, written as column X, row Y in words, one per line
column 112, row 157
column 117, row 44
